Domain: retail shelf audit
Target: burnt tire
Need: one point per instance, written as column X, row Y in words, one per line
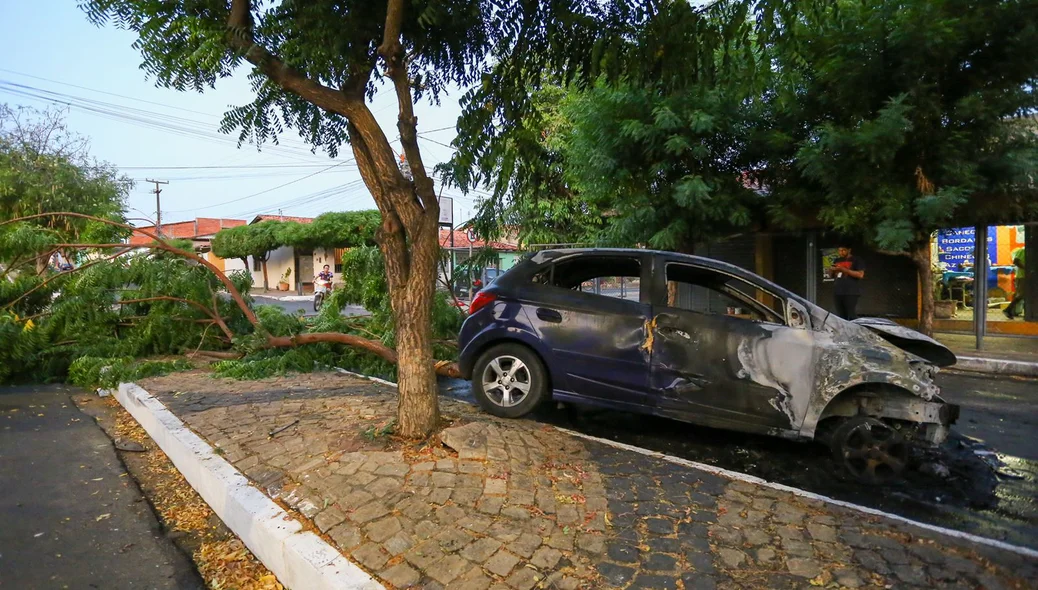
column 509, row 381
column 869, row 450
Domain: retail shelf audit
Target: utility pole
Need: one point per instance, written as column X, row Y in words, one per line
column 158, row 205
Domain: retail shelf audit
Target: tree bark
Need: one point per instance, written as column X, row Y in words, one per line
column 266, row 283
column 920, row 254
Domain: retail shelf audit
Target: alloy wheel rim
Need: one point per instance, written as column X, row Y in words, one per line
column 506, row 381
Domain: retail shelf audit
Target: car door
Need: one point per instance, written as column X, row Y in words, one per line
column 706, row 336
column 596, row 337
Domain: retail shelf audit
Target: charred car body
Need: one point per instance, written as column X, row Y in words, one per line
column 706, row 342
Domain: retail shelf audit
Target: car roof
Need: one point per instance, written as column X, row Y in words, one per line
column 545, row 256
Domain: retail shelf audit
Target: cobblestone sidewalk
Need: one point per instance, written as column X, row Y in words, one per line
column 518, row 505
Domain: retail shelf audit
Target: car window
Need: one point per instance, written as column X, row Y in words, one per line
column 607, row 276
column 702, row 290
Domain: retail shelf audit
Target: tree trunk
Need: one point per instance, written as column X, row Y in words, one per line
column 266, row 284
column 920, row 254
column 418, row 413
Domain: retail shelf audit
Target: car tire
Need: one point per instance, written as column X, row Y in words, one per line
column 870, row 450
column 504, row 393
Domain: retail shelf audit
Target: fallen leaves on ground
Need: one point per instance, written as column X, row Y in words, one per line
column 222, row 559
column 228, row 564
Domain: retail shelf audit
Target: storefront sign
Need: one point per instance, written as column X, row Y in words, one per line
column 955, row 247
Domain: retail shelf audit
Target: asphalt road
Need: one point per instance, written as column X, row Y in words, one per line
column 1000, row 411
column 992, row 489
column 70, row 515
column 305, row 307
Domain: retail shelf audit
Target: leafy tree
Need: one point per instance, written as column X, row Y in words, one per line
column 332, row 230
column 44, row 167
column 655, row 152
column 315, row 66
column 257, row 240
column 527, row 174
column 895, row 119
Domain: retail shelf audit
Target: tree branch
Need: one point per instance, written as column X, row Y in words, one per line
column 48, row 280
column 158, row 243
column 392, row 52
column 212, row 315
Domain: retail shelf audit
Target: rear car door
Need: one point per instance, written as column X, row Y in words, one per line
column 705, row 335
column 590, row 310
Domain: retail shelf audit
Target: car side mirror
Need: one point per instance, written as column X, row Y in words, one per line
column 797, row 316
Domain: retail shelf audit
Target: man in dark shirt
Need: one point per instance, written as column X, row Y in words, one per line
column 848, row 270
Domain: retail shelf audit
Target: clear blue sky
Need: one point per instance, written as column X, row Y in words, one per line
column 142, row 126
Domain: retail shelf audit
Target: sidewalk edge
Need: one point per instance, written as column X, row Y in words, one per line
column 976, row 364
column 300, row 559
column 738, row 476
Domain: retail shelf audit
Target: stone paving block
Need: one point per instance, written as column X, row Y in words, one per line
column 401, row 575
column 524, row 578
column 328, row 518
column 481, row 549
column 371, row 556
column 447, row 569
column 346, row 536
column 453, row 539
column 369, row 512
column 616, row 575
column 380, row 530
column 501, row 563
column 475, row 579
column 398, row 543
column 424, row 554
column 525, row 544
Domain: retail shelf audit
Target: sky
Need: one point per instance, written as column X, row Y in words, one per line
column 52, row 56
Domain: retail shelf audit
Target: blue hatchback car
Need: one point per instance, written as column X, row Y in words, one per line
column 705, row 342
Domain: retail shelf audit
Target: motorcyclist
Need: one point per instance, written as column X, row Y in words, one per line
column 325, row 275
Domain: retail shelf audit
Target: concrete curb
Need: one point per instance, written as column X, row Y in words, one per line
column 739, row 476
column 300, row 559
column 976, row 364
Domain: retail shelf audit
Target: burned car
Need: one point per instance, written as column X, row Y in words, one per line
column 702, row 341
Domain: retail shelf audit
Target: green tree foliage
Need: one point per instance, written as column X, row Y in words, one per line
column 316, row 66
column 44, row 167
column 895, row 119
column 902, row 117
column 257, row 240
column 657, row 147
column 670, row 167
column 333, row 230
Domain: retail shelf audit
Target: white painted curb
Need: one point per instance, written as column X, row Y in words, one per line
column 1025, row 551
column 995, row 366
column 300, row 559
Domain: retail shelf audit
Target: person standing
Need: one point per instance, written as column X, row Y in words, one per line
column 848, row 270
column 1016, row 306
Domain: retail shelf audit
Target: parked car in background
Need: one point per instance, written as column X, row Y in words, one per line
column 706, row 342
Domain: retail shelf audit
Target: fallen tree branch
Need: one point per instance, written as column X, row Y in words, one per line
column 66, row 273
column 445, row 368
column 212, row 315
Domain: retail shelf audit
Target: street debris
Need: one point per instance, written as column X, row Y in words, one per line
column 281, row 429
column 129, row 446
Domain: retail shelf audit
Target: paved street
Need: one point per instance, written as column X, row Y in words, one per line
column 1001, row 412
column 299, row 305
column 513, row 503
column 70, row 517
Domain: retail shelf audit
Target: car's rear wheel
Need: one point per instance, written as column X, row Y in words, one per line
column 869, row 449
column 509, row 380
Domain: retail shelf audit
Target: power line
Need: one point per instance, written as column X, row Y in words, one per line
column 263, row 192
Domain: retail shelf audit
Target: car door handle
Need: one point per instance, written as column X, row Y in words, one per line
column 549, row 315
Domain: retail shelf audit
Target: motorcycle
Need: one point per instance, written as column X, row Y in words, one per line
column 322, row 289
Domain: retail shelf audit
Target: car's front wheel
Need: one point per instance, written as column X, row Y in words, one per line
column 509, row 380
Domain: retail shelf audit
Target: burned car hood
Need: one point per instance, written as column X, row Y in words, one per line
column 910, row 341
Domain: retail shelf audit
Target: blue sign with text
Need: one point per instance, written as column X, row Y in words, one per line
column 955, row 247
